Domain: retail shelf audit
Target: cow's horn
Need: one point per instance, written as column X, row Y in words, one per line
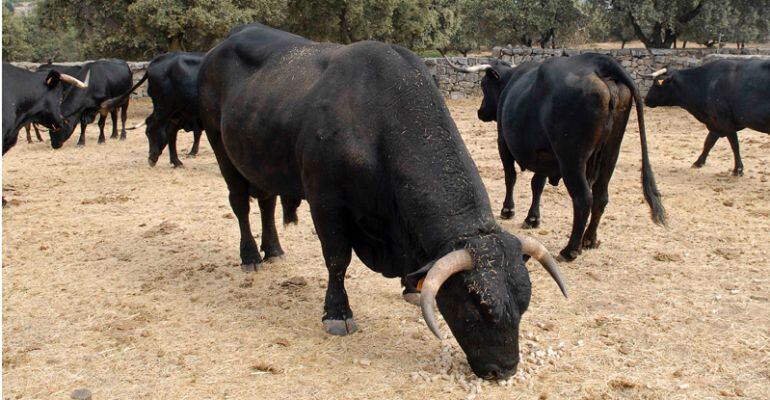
column 74, row 81
column 658, row 73
column 536, row 250
column 475, row 68
column 450, row 264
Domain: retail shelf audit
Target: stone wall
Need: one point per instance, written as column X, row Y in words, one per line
column 637, row 62
column 457, row 85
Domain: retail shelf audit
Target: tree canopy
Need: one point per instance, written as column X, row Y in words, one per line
column 139, row 29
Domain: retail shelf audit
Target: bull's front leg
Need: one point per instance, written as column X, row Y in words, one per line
column 337, row 250
column 711, row 139
column 582, row 201
column 82, row 138
column 102, row 118
column 196, row 143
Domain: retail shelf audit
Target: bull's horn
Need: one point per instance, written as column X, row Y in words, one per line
column 137, row 126
column 536, row 250
column 475, row 68
column 74, row 81
column 450, row 264
column 658, row 73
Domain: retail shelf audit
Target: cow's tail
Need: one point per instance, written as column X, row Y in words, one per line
column 650, row 189
column 109, row 104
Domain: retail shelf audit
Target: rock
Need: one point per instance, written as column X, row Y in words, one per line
column 294, row 281
column 81, row 394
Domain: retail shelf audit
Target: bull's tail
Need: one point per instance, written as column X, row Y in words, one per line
column 109, row 104
column 650, row 189
column 137, row 126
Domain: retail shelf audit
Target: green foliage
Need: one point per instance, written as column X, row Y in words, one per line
column 26, row 39
column 141, row 29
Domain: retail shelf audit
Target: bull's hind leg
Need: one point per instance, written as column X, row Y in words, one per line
column 29, row 134
column 171, row 133
column 582, row 201
column 271, row 246
column 196, row 143
column 102, row 118
column 238, row 187
column 733, row 138
column 337, row 250
column 509, row 168
column 608, row 158
column 711, row 140
column 114, row 119
column 533, row 216
column 123, row 118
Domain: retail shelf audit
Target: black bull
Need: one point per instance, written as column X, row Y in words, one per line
column 108, row 78
column 362, row 133
column 565, row 119
column 726, row 95
column 173, row 86
column 32, row 97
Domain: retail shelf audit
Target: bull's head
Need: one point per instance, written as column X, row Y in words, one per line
column 482, row 291
column 70, row 115
column 157, row 139
column 47, row 110
column 492, row 85
column 664, row 88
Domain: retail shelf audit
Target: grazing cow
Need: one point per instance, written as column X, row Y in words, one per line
column 564, row 119
column 109, row 78
column 362, row 133
column 725, row 95
column 173, row 87
column 32, row 97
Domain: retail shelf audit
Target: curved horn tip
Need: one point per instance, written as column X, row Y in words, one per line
column 426, row 300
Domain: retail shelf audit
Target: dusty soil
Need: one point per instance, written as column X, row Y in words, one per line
column 124, row 279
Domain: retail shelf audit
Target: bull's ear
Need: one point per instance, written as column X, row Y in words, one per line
column 494, row 74
column 53, row 79
column 414, row 280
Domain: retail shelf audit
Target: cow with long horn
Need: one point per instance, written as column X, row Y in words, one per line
column 362, row 133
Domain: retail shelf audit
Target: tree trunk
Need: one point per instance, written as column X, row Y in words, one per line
column 623, row 44
column 684, row 44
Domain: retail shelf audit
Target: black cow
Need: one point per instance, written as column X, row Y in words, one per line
column 362, row 133
column 173, row 87
column 109, row 78
column 725, row 95
column 32, row 97
column 565, row 119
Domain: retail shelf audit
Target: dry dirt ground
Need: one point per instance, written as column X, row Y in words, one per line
column 125, row 280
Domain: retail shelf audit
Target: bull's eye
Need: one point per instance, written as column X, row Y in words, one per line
column 66, row 122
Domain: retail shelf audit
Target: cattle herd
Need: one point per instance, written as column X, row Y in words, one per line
column 362, row 133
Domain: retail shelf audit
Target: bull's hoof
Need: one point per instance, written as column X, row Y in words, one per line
column 273, row 254
column 80, row 145
column 192, row 155
column 122, row 137
column 338, row 327
column 101, row 141
column 506, row 213
column 531, row 223
column 113, row 137
column 412, row 298
column 698, row 164
column 177, row 164
column 567, row 255
column 251, row 267
column 738, row 172
column 591, row 243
